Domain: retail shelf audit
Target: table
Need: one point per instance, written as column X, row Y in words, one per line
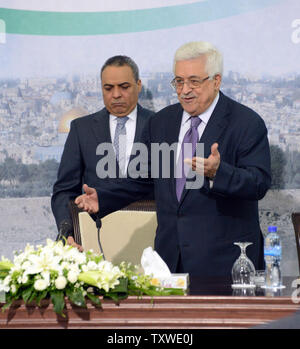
column 209, row 304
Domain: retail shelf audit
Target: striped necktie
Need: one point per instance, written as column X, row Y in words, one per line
column 120, row 142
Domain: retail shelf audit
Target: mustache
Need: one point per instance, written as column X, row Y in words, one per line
column 184, row 95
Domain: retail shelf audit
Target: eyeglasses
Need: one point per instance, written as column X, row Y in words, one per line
column 178, row 83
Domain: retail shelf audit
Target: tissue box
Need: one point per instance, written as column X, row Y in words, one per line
column 172, row 281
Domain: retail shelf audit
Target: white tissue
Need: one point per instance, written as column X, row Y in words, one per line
column 153, row 264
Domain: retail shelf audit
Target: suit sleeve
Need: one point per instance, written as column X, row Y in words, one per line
column 249, row 177
column 120, row 193
column 69, row 179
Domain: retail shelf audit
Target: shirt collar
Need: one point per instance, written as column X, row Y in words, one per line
column 205, row 116
column 131, row 116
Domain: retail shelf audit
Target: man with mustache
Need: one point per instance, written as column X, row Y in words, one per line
column 198, row 226
column 122, row 116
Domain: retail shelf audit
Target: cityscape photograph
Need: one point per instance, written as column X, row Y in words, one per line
column 36, row 116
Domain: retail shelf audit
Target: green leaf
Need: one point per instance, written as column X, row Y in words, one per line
column 6, row 265
column 40, row 296
column 153, row 291
column 114, row 296
column 119, row 292
column 6, row 305
column 173, row 292
column 58, row 300
column 3, row 273
column 96, row 258
column 95, row 299
column 76, row 297
column 122, row 287
column 26, row 294
column 32, row 297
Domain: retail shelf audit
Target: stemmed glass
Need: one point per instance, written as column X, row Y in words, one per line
column 243, row 270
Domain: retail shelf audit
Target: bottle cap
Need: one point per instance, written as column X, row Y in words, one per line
column 272, row 229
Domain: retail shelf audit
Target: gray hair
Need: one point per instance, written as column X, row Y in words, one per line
column 120, row 61
column 196, row 49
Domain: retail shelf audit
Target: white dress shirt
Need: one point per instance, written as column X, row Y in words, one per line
column 130, row 126
column 186, row 123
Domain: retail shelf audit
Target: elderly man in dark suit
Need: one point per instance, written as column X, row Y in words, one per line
column 122, row 116
column 197, row 227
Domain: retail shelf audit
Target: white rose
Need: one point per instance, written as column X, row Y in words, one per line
column 60, row 282
column 13, row 288
column 72, row 277
column 40, row 284
column 92, row 265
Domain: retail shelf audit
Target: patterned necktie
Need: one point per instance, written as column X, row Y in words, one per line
column 190, row 138
column 120, row 142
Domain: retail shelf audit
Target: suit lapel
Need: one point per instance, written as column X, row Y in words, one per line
column 101, row 131
column 172, row 135
column 141, row 121
column 140, row 124
column 173, row 129
column 101, row 127
column 215, row 127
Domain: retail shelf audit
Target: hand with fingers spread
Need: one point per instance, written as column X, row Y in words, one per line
column 88, row 201
column 207, row 167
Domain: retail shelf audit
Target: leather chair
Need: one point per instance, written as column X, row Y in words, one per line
column 296, row 224
column 124, row 234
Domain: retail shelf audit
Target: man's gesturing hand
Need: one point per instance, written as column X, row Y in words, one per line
column 88, row 201
column 207, row 167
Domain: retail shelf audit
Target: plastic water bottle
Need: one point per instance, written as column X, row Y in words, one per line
column 272, row 252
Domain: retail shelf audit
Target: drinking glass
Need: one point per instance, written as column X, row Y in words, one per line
column 243, row 270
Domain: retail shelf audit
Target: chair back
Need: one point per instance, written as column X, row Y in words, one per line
column 124, row 234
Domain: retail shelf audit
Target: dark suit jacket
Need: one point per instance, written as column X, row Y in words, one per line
column 79, row 159
column 204, row 224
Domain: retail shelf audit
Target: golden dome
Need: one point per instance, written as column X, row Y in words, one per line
column 74, row 113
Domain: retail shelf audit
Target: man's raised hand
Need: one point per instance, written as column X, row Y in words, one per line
column 207, row 167
column 88, row 201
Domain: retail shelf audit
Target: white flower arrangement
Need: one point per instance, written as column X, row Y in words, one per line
column 58, row 271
